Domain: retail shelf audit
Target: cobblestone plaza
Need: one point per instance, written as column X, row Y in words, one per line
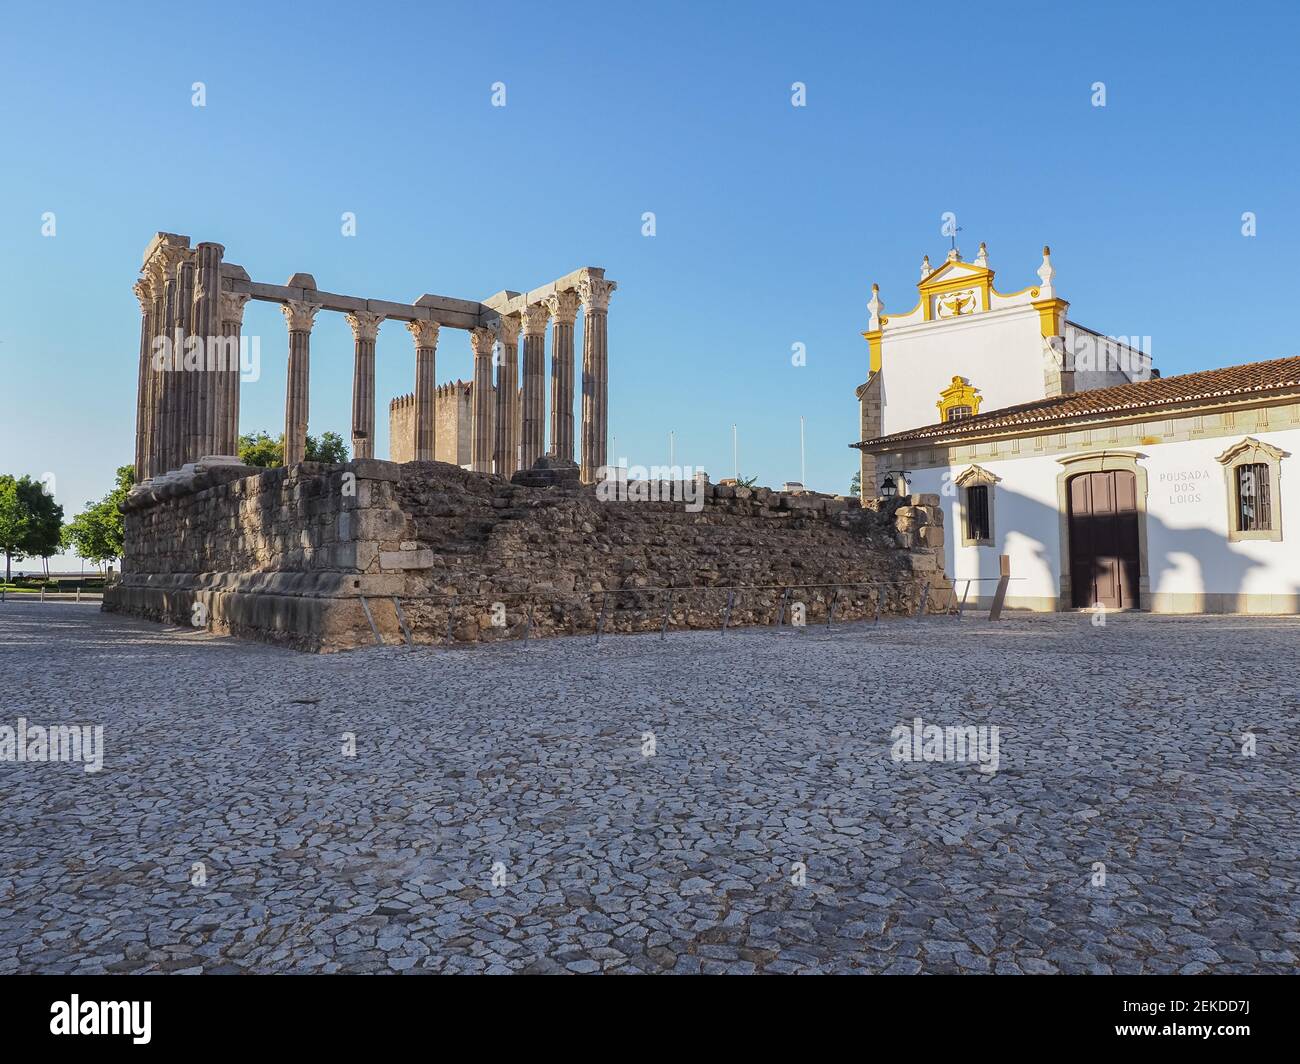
column 713, row 801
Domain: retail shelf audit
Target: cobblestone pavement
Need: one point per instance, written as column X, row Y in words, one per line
column 1118, row 744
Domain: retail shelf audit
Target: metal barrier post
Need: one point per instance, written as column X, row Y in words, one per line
column 1000, row 596
column 780, row 617
column 401, row 619
column 961, row 606
column 366, row 607
column 668, row 605
column 451, row 614
column 880, row 602
column 830, row 610
column 925, row 597
column 600, row 624
column 726, row 616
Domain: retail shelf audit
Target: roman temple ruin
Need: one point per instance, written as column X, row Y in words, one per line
column 525, row 542
column 192, row 308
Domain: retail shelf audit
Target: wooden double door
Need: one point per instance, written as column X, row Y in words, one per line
column 1105, row 563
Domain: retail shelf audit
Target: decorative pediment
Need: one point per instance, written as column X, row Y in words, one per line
column 975, row 475
column 1251, row 449
column 959, row 395
column 955, row 272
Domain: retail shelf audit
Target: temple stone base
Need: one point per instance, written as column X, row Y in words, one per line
column 332, row 557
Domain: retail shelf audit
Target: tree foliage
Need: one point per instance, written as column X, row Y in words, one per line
column 96, row 533
column 30, row 520
column 266, row 452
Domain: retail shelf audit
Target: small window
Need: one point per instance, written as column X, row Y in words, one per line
column 958, row 413
column 1254, row 509
column 1252, row 471
column 977, row 513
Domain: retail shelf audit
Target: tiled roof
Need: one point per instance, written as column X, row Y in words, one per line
column 1278, row 373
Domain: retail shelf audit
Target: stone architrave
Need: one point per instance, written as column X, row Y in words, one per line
column 299, row 315
column 425, row 335
column 365, row 330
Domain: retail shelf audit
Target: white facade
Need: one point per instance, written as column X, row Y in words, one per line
column 1131, row 495
column 1191, row 564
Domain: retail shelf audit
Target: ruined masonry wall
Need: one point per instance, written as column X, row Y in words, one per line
column 285, row 554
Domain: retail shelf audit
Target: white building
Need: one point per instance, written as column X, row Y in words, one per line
column 1065, row 450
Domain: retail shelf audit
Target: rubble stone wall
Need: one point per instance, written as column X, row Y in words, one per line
column 322, row 557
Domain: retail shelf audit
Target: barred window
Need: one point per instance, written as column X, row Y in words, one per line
column 1254, row 507
column 958, row 413
column 977, row 512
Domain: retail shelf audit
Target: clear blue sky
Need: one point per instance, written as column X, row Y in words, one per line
column 772, row 220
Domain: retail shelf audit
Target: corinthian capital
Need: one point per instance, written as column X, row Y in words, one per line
column 535, row 317
column 595, row 291
column 365, row 326
column 424, row 332
column 299, row 314
column 508, row 330
column 232, row 308
column 563, row 306
column 144, row 293
column 482, row 340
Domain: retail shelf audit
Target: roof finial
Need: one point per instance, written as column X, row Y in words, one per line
column 926, row 268
column 875, row 306
column 1046, row 272
column 982, row 259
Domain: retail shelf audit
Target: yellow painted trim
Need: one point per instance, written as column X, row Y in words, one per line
column 873, row 345
column 979, row 277
column 959, row 393
column 1051, row 316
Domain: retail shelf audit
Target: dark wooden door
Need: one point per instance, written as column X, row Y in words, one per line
column 1104, row 566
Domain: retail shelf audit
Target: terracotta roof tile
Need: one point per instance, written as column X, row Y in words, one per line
column 1278, row 373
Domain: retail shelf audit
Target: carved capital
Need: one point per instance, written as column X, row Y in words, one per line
column 482, row 340
column 563, row 306
column 299, row 314
column 535, row 317
column 144, row 293
column 232, row 308
column 424, row 332
column 365, row 326
column 508, row 330
column 595, row 292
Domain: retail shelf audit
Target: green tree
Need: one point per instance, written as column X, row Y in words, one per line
column 13, row 523
column 97, row 533
column 44, row 521
column 266, row 452
column 855, row 485
column 261, row 450
column 329, row 448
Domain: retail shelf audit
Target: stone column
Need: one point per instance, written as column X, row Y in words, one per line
column 177, row 385
column 506, row 446
column 143, row 410
column 595, row 292
column 232, row 324
column 425, row 334
column 157, row 273
column 300, row 316
column 365, row 330
column 533, row 404
column 205, row 325
column 482, row 340
column 564, row 309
